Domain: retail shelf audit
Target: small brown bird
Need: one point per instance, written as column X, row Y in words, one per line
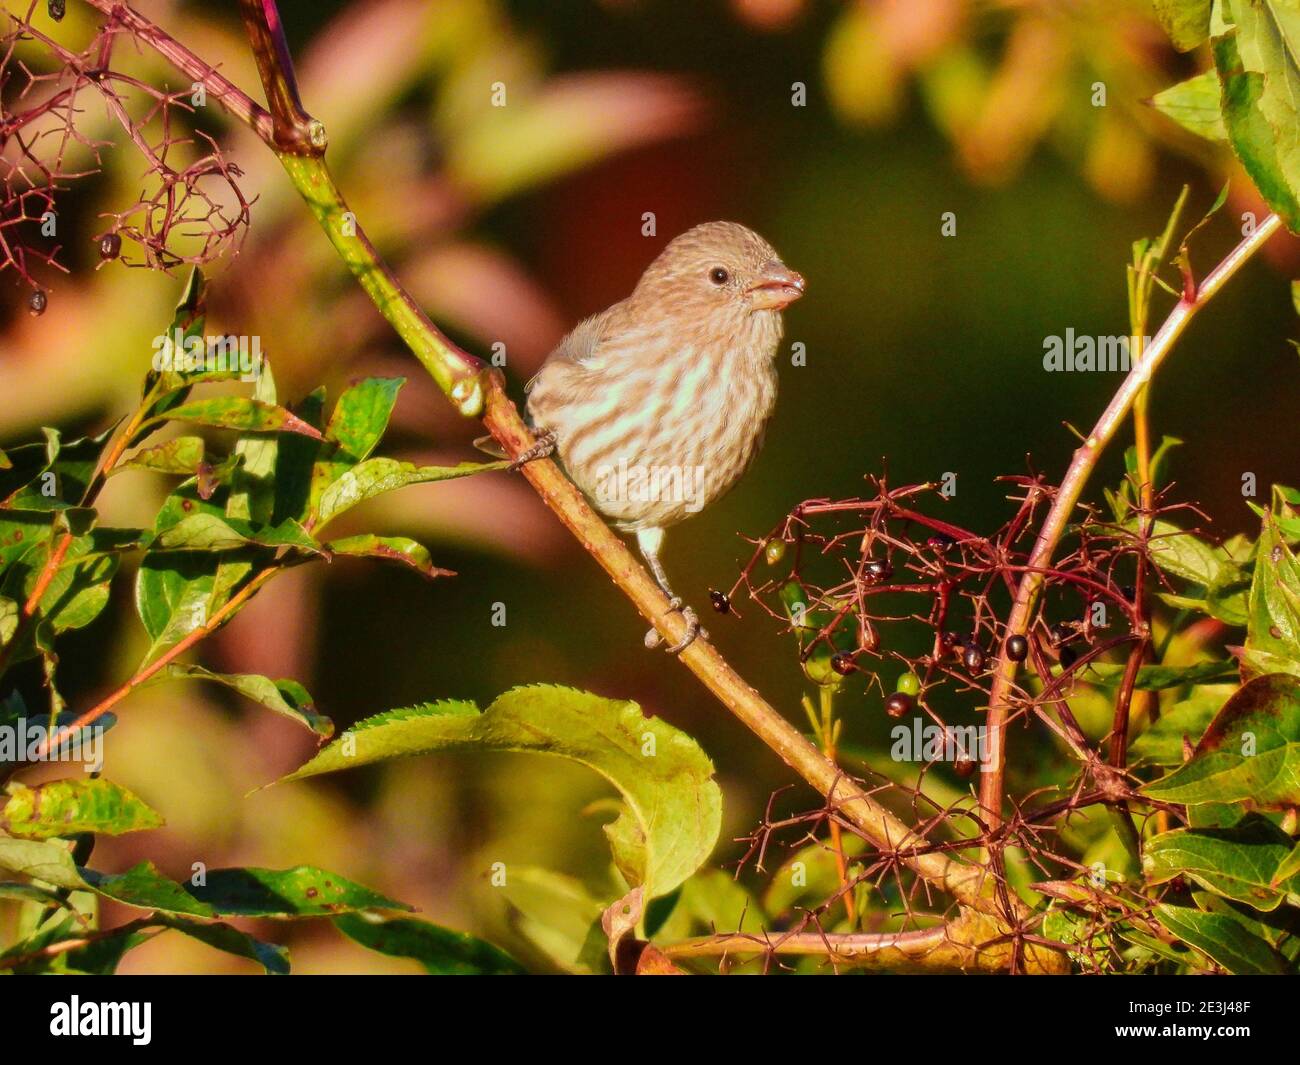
column 657, row 405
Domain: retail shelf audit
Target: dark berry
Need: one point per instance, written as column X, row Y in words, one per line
column 36, row 303
column 1129, row 592
column 899, row 704
column 949, row 640
column 57, row 9
column 1061, row 634
column 879, row 569
column 973, row 658
column 964, row 766
column 110, row 246
column 940, row 542
column 1017, row 648
column 842, row 663
column 720, row 601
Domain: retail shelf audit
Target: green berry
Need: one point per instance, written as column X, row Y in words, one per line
column 908, row 683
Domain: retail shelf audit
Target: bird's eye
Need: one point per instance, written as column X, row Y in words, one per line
column 719, row 276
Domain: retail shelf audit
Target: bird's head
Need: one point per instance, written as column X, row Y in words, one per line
column 722, row 270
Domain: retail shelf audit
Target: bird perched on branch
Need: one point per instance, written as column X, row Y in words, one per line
column 657, row 405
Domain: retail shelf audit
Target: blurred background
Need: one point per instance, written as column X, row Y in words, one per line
column 842, row 131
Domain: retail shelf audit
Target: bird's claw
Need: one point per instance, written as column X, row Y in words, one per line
column 543, row 446
column 693, row 629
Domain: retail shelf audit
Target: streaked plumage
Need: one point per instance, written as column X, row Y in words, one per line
column 678, row 378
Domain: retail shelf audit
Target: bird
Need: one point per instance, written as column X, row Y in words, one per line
column 656, row 406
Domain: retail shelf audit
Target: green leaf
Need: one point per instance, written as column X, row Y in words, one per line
column 1162, row 742
column 1249, row 755
column 1238, row 863
column 63, row 480
column 20, row 531
column 1194, row 105
column 441, row 951
column 241, row 413
column 1186, row 21
column 1273, row 626
column 558, row 916
column 377, row 476
column 673, row 807
column 361, row 415
column 182, row 454
column 1255, row 45
column 208, row 532
column 272, row 957
column 68, row 807
column 391, row 549
column 1159, row 677
column 304, row 891
column 286, row 697
column 1184, row 555
column 1223, row 940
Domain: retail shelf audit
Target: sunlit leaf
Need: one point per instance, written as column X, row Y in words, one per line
column 286, row 697
column 1222, row 939
column 441, row 951
column 67, row 807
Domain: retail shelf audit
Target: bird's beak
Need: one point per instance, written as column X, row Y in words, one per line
column 776, row 288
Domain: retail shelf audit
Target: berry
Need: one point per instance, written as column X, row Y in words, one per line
column 879, row 569
column 964, row 766
column 940, row 542
column 110, row 246
column 720, row 601
column 899, row 704
column 774, row 551
column 868, row 637
column 908, row 683
column 36, row 303
column 1017, row 648
column 1060, row 634
column 973, row 658
column 949, row 640
column 57, row 9
column 842, row 663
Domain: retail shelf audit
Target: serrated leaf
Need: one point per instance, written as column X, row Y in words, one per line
column 1195, row 105
column 68, row 807
column 1223, row 940
column 390, row 549
column 1238, row 863
column 1250, row 754
column 374, row 477
column 441, row 951
column 673, row 806
column 286, row 697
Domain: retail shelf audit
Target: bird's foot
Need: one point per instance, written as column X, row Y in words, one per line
column 543, row 446
column 693, row 628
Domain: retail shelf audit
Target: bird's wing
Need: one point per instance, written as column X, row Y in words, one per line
column 580, row 347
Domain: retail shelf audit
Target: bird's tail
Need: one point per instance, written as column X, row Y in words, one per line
column 489, row 446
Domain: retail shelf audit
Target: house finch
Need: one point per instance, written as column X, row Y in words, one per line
column 657, row 405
